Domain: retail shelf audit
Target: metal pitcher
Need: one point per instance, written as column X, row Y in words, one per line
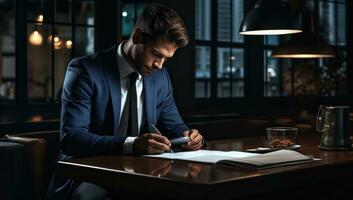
column 332, row 122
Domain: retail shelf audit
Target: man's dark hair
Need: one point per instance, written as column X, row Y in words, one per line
column 162, row 22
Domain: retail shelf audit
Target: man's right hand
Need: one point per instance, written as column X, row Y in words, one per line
column 151, row 143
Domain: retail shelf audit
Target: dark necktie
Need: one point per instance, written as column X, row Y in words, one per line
column 129, row 121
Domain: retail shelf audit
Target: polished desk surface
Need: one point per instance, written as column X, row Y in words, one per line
column 206, row 181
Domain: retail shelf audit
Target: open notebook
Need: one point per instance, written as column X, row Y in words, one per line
column 240, row 159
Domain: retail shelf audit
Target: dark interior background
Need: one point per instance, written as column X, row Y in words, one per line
column 219, row 77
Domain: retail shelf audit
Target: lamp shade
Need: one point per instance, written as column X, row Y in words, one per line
column 308, row 44
column 269, row 17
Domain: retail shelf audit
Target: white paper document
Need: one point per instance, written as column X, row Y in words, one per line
column 240, row 159
column 206, row 156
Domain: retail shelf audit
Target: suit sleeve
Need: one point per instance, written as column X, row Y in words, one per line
column 75, row 137
column 170, row 118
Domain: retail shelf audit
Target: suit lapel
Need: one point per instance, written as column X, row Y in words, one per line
column 113, row 78
column 150, row 101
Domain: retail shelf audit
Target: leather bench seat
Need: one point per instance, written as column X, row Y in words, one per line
column 30, row 158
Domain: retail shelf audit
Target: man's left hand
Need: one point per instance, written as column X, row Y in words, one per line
column 196, row 140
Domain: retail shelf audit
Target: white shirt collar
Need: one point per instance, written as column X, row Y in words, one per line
column 124, row 67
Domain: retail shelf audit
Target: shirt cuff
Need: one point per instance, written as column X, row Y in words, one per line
column 128, row 145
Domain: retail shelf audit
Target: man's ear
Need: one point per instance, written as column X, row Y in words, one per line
column 137, row 37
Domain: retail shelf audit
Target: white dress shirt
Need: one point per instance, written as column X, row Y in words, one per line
column 124, row 70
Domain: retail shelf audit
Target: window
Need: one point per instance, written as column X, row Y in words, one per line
column 203, row 71
column 202, row 52
column 219, row 50
column 203, row 20
column 324, row 76
column 332, row 22
column 230, row 72
column 277, row 72
column 130, row 13
column 7, row 48
column 272, row 69
column 67, row 31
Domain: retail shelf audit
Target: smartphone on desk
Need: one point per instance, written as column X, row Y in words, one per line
column 177, row 142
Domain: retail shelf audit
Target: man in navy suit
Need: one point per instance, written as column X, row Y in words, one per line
column 111, row 100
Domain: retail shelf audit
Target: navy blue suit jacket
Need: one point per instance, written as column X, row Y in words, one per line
column 88, row 127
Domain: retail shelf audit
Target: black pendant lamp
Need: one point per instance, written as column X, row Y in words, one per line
column 308, row 44
column 269, row 17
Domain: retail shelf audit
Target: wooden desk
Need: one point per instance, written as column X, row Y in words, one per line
column 188, row 180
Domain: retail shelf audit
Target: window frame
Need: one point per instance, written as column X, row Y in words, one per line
column 21, row 101
column 214, row 44
column 53, row 23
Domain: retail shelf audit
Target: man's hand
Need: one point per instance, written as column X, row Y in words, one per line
column 151, row 143
column 196, row 140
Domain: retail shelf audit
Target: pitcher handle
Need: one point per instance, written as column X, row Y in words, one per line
column 320, row 119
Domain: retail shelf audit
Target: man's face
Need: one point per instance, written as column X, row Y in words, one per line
column 150, row 56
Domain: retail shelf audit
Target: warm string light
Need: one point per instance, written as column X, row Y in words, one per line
column 40, row 16
column 68, row 44
column 35, row 38
column 57, row 41
column 39, row 19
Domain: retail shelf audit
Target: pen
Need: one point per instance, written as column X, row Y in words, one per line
column 159, row 133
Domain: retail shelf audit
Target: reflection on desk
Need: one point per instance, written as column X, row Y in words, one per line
column 161, row 168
